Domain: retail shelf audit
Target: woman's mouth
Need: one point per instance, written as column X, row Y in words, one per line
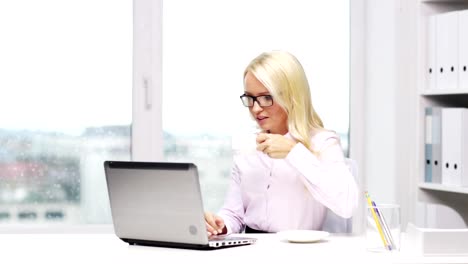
column 261, row 119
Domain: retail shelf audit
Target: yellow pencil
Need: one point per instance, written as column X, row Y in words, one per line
column 379, row 228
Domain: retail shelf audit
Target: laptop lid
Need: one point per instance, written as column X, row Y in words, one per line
column 158, row 203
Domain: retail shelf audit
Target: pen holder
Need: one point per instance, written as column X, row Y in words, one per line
column 383, row 228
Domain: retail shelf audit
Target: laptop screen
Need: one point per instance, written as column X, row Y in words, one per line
column 156, row 201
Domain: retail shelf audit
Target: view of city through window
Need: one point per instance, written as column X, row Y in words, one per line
column 52, row 176
column 65, row 107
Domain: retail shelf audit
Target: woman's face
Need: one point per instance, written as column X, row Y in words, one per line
column 270, row 118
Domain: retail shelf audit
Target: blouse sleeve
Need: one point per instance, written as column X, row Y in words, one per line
column 232, row 211
column 325, row 174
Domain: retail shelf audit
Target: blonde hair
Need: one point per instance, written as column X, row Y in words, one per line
column 284, row 77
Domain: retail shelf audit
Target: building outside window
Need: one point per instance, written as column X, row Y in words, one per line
column 65, row 106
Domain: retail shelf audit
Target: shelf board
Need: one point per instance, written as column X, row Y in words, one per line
column 443, row 92
column 444, row 1
column 443, row 188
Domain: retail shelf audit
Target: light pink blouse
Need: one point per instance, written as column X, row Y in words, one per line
column 291, row 193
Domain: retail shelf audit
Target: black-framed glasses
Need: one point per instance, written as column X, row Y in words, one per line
column 262, row 100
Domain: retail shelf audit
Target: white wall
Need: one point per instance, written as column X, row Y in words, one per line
column 380, row 143
column 386, row 146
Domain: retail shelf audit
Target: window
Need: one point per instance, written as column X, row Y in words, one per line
column 66, row 78
column 206, row 46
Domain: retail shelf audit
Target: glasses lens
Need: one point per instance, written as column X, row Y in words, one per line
column 247, row 100
column 265, row 100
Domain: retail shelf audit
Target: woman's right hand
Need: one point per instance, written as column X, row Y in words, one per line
column 214, row 224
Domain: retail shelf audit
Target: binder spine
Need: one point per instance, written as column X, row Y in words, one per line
column 428, row 145
column 436, row 145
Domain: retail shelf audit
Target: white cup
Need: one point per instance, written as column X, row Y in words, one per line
column 244, row 144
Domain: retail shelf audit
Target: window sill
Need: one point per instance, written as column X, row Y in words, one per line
column 56, row 229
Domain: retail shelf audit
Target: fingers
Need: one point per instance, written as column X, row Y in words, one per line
column 210, row 223
column 272, row 151
column 262, row 142
column 219, row 223
column 277, row 155
column 262, row 147
column 266, row 146
column 275, row 146
column 210, row 231
column 214, row 224
column 261, row 137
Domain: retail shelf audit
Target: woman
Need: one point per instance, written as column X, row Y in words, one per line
column 299, row 169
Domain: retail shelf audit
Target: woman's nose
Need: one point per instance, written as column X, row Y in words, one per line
column 256, row 108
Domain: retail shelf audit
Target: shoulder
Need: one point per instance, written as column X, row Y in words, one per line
column 324, row 138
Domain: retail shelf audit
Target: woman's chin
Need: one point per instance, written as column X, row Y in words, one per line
column 264, row 128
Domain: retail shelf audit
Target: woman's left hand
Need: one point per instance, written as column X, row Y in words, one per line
column 274, row 145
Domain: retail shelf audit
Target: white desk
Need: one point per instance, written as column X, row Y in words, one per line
column 107, row 248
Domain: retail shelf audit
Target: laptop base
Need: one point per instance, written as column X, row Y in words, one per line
column 137, row 242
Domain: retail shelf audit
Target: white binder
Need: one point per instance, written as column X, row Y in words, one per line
column 455, row 146
column 447, row 51
column 430, row 71
column 463, row 50
column 436, row 167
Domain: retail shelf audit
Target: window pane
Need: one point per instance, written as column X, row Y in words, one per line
column 206, row 46
column 65, row 107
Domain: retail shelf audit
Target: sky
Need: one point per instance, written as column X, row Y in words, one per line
column 206, row 52
column 62, row 72
column 63, row 67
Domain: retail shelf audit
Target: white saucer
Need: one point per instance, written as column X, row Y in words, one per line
column 302, row 236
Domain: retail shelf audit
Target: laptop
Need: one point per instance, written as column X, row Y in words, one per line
column 160, row 204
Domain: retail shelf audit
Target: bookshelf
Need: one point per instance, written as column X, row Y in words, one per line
column 443, row 188
column 446, row 92
column 453, row 197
